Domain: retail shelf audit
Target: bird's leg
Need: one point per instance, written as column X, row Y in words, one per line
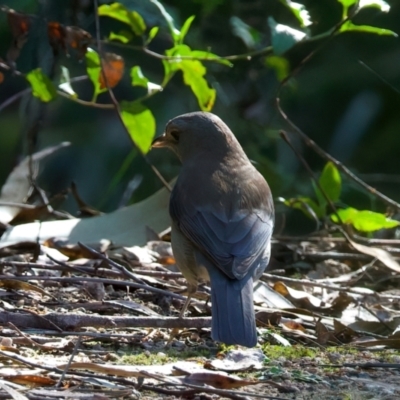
column 186, row 305
column 191, row 290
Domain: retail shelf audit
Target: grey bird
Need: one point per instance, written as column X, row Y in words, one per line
column 222, row 220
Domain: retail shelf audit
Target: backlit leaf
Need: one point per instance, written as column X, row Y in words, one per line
column 121, row 13
column 331, row 181
column 193, row 75
column 365, row 220
column 140, row 123
column 42, row 86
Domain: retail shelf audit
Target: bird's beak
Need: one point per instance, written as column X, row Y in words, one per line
column 160, row 141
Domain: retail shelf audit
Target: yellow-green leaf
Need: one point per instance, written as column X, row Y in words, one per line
column 121, row 13
column 331, row 181
column 140, row 123
column 42, row 86
column 364, row 220
column 93, row 69
column 350, row 27
column 122, row 36
column 193, row 75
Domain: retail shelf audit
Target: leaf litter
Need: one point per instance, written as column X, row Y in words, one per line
column 91, row 314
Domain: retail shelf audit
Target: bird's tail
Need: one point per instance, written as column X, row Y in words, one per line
column 233, row 319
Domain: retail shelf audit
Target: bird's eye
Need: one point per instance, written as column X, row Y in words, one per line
column 175, row 135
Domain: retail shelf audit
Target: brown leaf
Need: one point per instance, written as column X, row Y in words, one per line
column 73, row 250
column 61, row 36
column 113, row 68
column 19, row 25
column 31, row 380
column 19, row 285
column 382, row 255
column 217, row 379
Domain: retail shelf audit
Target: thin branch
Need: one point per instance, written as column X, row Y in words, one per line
column 115, row 102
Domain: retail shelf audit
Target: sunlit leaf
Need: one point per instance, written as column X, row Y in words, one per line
column 284, row 37
column 121, row 13
column 175, row 33
column 152, row 34
column 350, row 27
column 42, row 86
column 93, row 69
column 380, row 4
column 138, row 79
column 122, row 36
column 365, row 220
column 140, row 123
column 309, row 207
column 206, row 55
column 346, row 5
column 299, row 11
column 65, row 83
column 193, row 75
column 185, row 29
column 331, row 181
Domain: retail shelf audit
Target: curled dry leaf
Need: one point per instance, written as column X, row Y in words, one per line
column 64, row 37
column 19, row 25
column 382, row 255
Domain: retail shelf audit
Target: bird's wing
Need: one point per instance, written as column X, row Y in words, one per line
column 234, row 244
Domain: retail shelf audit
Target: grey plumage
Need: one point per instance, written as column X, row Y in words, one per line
column 222, row 220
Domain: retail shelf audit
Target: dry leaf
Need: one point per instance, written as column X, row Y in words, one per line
column 124, row 227
column 382, row 255
column 17, row 185
column 113, row 68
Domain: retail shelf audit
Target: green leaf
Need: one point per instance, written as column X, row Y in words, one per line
column 350, row 27
column 206, row 55
column 284, row 37
column 320, row 197
column 140, row 123
column 122, row 36
column 309, row 207
column 365, row 220
column 193, row 75
column 138, row 79
column 380, row 4
column 346, row 5
column 299, row 11
column 121, row 13
column 331, row 181
column 65, row 83
column 175, row 33
column 185, row 29
column 93, row 69
column 280, row 65
column 152, row 34
column 250, row 36
column 42, row 86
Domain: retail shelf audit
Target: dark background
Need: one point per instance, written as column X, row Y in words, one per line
column 338, row 102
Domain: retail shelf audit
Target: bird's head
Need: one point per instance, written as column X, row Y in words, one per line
column 197, row 134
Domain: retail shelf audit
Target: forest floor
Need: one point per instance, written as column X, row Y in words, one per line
column 104, row 323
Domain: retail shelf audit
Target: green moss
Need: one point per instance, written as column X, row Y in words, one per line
column 161, row 356
column 295, row 352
